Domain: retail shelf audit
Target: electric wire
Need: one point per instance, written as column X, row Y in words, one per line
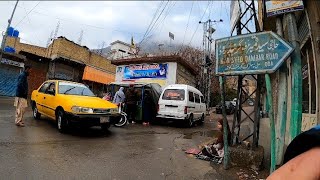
column 153, row 18
column 147, row 33
column 199, row 24
column 185, row 32
column 28, row 14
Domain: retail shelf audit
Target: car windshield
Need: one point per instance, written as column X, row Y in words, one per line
column 74, row 89
column 173, row 94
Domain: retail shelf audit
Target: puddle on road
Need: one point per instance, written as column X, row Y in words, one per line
column 210, row 133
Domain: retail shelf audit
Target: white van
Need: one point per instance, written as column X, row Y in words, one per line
column 182, row 102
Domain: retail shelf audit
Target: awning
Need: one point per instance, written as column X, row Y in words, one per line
column 92, row 74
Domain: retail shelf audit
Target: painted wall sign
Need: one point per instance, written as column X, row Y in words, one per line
column 145, row 71
column 276, row 7
column 12, row 63
column 257, row 53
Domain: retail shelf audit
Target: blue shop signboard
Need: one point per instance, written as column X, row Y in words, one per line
column 256, row 53
column 139, row 71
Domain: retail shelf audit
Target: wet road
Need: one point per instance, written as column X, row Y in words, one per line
column 39, row 151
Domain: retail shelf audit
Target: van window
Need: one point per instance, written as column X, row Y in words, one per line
column 191, row 97
column 197, row 97
column 202, row 99
column 174, row 94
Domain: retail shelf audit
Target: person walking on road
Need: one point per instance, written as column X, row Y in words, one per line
column 131, row 103
column 21, row 96
column 119, row 97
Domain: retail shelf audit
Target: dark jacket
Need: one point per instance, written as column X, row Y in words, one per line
column 22, row 87
column 131, row 96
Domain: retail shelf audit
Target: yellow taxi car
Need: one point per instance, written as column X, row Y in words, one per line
column 68, row 102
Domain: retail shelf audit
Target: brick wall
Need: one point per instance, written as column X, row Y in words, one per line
column 40, row 51
column 37, row 75
column 15, row 42
column 67, row 49
column 101, row 62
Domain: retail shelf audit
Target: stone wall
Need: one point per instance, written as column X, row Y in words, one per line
column 185, row 77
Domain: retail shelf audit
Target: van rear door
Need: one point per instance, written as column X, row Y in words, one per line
column 172, row 102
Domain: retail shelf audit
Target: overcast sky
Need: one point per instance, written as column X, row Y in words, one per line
column 109, row 21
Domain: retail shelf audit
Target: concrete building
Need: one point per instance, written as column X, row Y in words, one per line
column 164, row 70
column 68, row 61
column 308, row 25
column 120, row 50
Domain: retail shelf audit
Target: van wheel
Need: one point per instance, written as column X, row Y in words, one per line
column 190, row 121
column 202, row 119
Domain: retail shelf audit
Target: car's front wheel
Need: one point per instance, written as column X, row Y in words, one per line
column 36, row 114
column 62, row 123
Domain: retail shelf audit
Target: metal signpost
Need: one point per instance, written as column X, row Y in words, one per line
column 255, row 53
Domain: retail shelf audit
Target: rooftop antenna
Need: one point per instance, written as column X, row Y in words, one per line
column 54, row 37
column 49, row 39
column 102, row 45
column 56, row 31
column 80, row 38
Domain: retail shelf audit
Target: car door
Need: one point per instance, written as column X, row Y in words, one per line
column 40, row 95
column 49, row 100
column 191, row 104
column 203, row 107
column 197, row 106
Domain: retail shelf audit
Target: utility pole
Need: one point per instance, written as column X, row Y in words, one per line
column 206, row 54
column 208, row 30
column 6, row 31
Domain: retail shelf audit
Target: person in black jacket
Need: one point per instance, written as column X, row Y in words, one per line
column 131, row 103
column 21, row 96
column 148, row 107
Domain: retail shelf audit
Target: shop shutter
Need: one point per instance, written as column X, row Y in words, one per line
column 8, row 80
column 63, row 72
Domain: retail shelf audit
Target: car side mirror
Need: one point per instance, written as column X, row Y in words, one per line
column 51, row 91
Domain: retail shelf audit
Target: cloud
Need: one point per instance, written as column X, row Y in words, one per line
column 109, row 20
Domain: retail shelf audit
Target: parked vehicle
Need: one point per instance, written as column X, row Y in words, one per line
column 69, row 102
column 182, row 102
column 122, row 119
column 230, row 108
column 154, row 88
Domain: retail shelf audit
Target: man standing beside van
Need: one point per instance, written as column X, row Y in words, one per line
column 131, row 103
